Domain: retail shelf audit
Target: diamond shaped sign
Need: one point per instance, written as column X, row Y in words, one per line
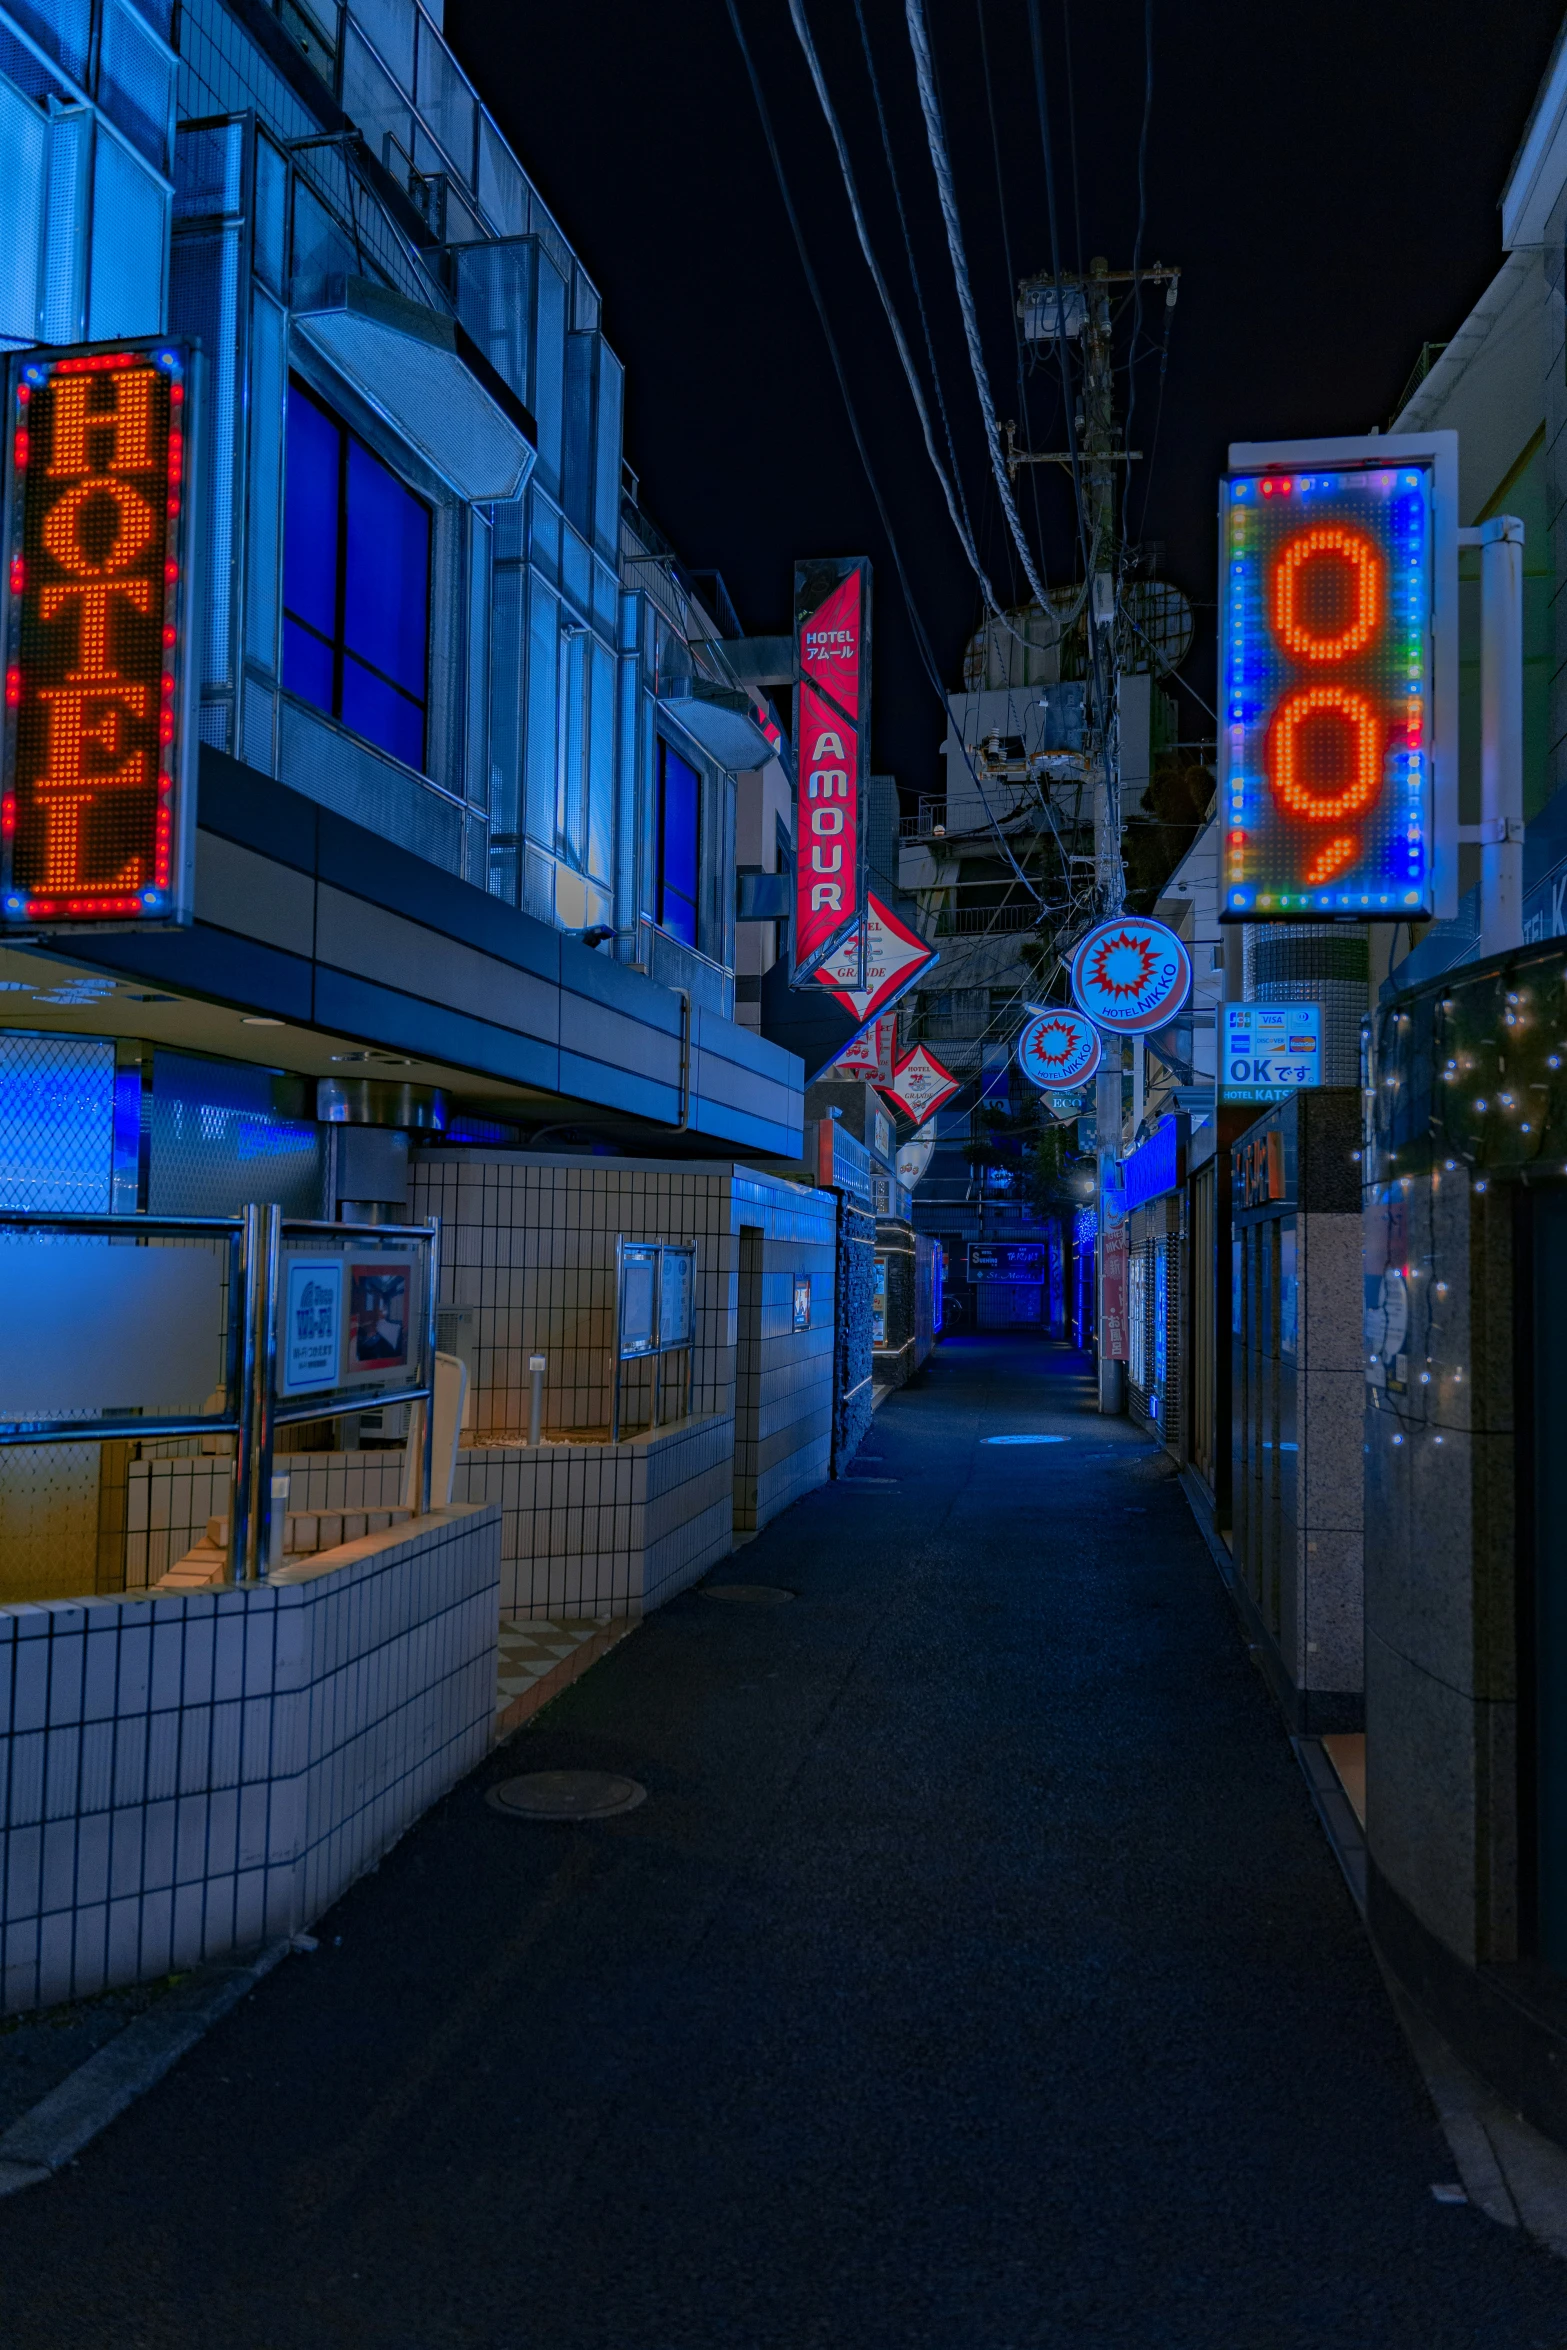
column 920, row 1085
column 895, row 956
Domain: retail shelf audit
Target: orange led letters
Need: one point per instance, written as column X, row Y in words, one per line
column 88, row 815
column 1315, row 644
column 1330, row 711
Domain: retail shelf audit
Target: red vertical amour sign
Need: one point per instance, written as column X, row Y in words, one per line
column 832, row 648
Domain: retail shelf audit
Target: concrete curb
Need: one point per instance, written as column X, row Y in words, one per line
column 71, row 2116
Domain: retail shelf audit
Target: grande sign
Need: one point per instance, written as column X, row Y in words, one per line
column 1059, row 1048
column 1131, row 974
column 1336, row 738
column 832, row 603
column 894, row 957
column 920, row 1085
column 98, row 808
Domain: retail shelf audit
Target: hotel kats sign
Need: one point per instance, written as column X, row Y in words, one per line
column 832, row 608
column 99, row 748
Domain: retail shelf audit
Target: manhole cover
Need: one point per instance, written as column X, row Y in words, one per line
column 566, row 1795
column 748, row 1594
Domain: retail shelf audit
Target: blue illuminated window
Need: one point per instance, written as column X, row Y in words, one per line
column 679, row 830
column 356, row 584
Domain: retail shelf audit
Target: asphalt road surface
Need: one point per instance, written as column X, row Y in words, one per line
column 974, row 1976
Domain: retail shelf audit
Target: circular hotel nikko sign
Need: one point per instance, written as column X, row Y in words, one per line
column 1131, row 974
column 1058, row 1049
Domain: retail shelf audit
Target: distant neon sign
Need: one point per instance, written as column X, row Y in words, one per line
column 1327, row 797
column 97, row 807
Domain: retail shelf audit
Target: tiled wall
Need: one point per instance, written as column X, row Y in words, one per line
column 783, row 1381
column 170, row 1501
column 195, row 1773
column 529, row 1245
column 596, row 1529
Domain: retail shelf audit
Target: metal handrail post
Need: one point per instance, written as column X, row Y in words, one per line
column 258, row 1533
column 620, row 1277
column 432, row 1330
column 658, row 1336
column 242, row 1501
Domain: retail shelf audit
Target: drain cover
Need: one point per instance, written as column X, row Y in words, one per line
column 566, row 1795
column 748, row 1594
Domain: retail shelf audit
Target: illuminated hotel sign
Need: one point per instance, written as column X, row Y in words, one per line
column 97, row 815
column 832, row 602
column 1336, row 797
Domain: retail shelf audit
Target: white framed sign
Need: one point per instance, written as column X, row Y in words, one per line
column 310, row 1323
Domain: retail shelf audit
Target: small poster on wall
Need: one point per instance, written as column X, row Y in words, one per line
column 677, row 1297
column 380, row 1341
column 310, row 1332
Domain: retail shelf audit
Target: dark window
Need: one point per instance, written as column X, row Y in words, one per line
column 679, row 828
column 356, row 584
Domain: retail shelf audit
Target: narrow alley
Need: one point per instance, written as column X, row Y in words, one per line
column 975, row 1974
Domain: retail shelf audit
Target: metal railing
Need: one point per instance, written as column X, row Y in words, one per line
column 327, row 1404
column 252, row 1410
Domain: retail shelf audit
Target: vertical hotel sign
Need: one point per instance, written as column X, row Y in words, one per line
column 832, row 606
column 1338, row 743
column 98, row 808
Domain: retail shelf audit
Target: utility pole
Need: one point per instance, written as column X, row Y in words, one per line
column 1081, row 309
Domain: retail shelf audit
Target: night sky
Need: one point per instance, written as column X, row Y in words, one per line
column 1327, row 177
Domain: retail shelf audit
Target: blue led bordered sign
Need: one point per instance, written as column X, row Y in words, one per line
column 1329, row 597
column 97, row 808
column 1157, row 1165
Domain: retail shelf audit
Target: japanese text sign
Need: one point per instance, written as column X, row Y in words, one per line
column 1269, row 1050
column 832, row 726
column 97, row 816
column 1334, row 719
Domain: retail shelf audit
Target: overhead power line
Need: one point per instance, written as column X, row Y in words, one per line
column 936, row 138
column 916, row 390
column 922, row 642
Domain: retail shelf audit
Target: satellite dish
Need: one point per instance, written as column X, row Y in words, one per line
column 1161, row 624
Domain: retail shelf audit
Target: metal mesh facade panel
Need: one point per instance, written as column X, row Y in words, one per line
column 24, row 145
column 205, row 304
column 56, row 1124
column 223, row 1134
column 70, row 152
column 136, row 83
column 268, row 332
column 130, row 231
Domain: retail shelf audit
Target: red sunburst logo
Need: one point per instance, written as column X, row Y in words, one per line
column 1115, row 960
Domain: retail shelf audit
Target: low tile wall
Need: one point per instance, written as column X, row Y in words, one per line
column 591, row 1529
column 192, row 1773
column 168, row 1502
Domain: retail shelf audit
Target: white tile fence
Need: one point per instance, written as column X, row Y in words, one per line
column 187, row 1774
